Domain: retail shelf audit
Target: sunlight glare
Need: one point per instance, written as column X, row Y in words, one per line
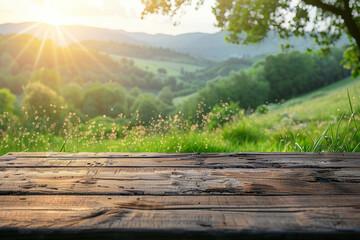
column 50, row 15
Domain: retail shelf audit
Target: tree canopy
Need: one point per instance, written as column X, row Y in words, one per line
column 6, row 101
column 249, row 21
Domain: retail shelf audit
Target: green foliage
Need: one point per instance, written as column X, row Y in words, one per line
column 146, row 107
column 262, row 109
column 166, row 96
column 130, row 75
column 295, row 73
column 162, row 71
column 6, row 101
column 74, row 95
column 103, row 117
column 200, row 78
column 239, row 87
column 286, row 127
column 351, row 60
column 135, row 92
column 8, row 61
column 43, row 103
column 250, row 21
column 132, row 96
column 172, row 83
column 47, row 77
column 223, row 113
column 14, row 83
column 289, row 80
column 108, row 100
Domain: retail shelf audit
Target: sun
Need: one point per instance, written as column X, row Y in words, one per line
column 51, row 15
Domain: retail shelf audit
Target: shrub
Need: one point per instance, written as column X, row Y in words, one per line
column 43, row 103
column 222, row 113
column 6, row 101
column 262, row 109
column 105, row 100
column 47, row 77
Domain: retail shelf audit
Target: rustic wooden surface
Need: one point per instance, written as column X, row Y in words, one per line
column 248, row 194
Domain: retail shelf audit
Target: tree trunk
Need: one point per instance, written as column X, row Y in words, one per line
column 352, row 26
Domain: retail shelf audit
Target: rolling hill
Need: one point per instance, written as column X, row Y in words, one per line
column 68, row 34
column 144, row 52
column 197, row 44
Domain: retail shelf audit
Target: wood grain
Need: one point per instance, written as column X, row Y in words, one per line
column 208, row 160
column 185, row 212
column 178, row 181
column 184, row 193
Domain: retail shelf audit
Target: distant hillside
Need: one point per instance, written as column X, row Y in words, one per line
column 214, row 45
column 201, row 77
column 197, row 44
column 144, row 52
column 68, row 34
column 224, row 68
column 23, row 54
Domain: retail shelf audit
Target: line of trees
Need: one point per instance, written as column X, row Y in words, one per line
column 278, row 77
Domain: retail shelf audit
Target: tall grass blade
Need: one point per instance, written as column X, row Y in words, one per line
column 348, row 95
column 338, row 126
column 356, row 147
column 312, row 140
column 63, row 146
column 320, row 139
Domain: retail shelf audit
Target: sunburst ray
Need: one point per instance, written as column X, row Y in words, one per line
column 40, row 52
column 23, row 49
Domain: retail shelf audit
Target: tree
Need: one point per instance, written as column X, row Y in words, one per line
column 135, row 92
column 162, row 71
column 166, row 95
column 74, row 95
column 290, row 75
column 40, row 101
column 6, row 101
column 147, row 107
column 172, row 83
column 324, row 20
column 48, row 77
column 105, row 100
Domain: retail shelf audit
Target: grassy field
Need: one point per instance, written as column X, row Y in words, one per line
column 295, row 124
column 319, row 121
column 151, row 65
column 178, row 100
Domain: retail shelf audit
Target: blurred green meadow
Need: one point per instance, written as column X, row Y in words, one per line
column 319, row 121
column 98, row 96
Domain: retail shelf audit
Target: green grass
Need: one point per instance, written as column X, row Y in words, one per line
column 173, row 68
column 322, row 104
column 324, row 120
column 178, row 100
column 300, row 121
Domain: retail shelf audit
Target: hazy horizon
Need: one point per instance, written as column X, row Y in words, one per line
column 112, row 29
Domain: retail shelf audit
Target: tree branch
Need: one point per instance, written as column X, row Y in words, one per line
column 353, row 28
column 325, row 6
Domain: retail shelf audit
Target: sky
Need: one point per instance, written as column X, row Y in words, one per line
column 113, row 14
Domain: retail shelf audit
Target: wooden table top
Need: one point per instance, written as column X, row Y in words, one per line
column 214, row 195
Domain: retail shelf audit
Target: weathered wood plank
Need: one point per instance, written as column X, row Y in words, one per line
column 178, row 181
column 201, row 213
column 53, row 160
column 237, row 192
